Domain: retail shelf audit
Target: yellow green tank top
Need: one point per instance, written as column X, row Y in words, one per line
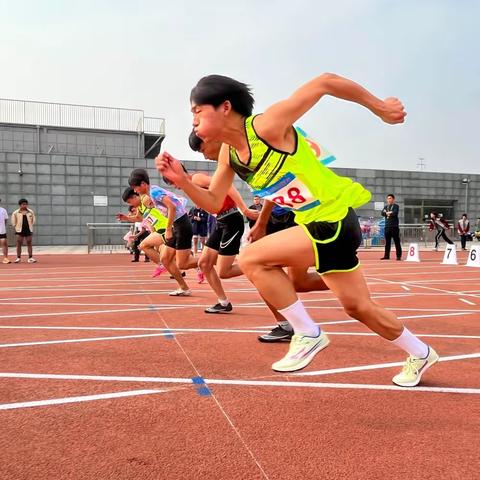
column 152, row 217
column 297, row 181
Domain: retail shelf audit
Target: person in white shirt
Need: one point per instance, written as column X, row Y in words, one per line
column 3, row 234
column 463, row 229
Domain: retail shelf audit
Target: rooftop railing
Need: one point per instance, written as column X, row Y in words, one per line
column 78, row 116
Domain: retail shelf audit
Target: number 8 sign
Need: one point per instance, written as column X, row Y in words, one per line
column 474, row 257
column 413, row 255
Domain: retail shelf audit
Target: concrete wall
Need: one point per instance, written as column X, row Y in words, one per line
column 60, row 186
column 60, row 189
column 404, row 185
column 25, row 139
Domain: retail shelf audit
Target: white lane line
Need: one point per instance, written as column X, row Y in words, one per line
column 51, row 297
column 454, row 314
column 253, row 383
column 186, row 305
column 139, row 329
column 404, row 317
column 255, row 330
column 84, row 398
column 73, row 304
column 467, row 301
column 405, row 288
column 80, row 340
column 362, row 368
column 426, row 335
column 88, row 312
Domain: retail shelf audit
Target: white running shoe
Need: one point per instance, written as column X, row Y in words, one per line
column 31, row 260
column 301, row 352
column 180, row 293
column 414, row 368
column 17, row 260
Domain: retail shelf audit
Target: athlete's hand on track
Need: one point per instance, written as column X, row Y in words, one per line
column 251, row 214
column 392, row 111
column 170, row 167
column 257, row 232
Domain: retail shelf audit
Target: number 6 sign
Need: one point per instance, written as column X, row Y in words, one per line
column 474, row 257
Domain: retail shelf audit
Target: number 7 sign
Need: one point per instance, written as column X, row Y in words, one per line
column 450, row 257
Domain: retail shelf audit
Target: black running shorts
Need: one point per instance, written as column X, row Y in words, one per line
column 335, row 244
column 182, row 234
column 281, row 222
column 226, row 237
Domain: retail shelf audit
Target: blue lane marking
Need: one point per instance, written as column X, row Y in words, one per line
column 168, row 333
column 203, row 389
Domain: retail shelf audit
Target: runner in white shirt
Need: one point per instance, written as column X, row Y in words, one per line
column 3, row 234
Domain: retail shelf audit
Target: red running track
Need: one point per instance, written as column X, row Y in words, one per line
column 104, row 376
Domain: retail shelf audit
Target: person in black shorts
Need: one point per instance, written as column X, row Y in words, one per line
column 199, row 219
column 223, row 244
column 304, row 281
column 178, row 231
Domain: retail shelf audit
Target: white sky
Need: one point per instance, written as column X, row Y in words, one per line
column 149, row 54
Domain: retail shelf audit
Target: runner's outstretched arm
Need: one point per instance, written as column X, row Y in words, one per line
column 279, row 117
column 210, row 200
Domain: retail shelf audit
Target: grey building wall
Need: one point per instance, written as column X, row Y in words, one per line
column 60, row 185
column 405, row 185
column 49, row 140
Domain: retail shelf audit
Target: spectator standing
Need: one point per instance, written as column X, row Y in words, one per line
column 463, row 229
column 23, row 220
column 257, row 205
column 199, row 219
column 392, row 229
column 3, row 234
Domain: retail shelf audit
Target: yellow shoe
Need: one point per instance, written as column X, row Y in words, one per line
column 414, row 368
column 6, row 260
column 301, row 352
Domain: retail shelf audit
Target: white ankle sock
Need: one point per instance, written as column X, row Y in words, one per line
column 300, row 320
column 411, row 344
column 223, row 303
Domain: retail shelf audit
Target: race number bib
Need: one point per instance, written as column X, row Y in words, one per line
column 290, row 193
column 151, row 221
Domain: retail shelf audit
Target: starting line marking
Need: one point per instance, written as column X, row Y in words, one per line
column 84, row 398
column 378, row 366
column 169, row 331
column 78, row 340
column 252, row 383
column 467, row 301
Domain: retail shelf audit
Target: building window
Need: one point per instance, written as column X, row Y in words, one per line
column 417, row 210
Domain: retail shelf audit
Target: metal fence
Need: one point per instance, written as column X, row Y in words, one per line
column 409, row 233
column 106, row 237
column 78, row 116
